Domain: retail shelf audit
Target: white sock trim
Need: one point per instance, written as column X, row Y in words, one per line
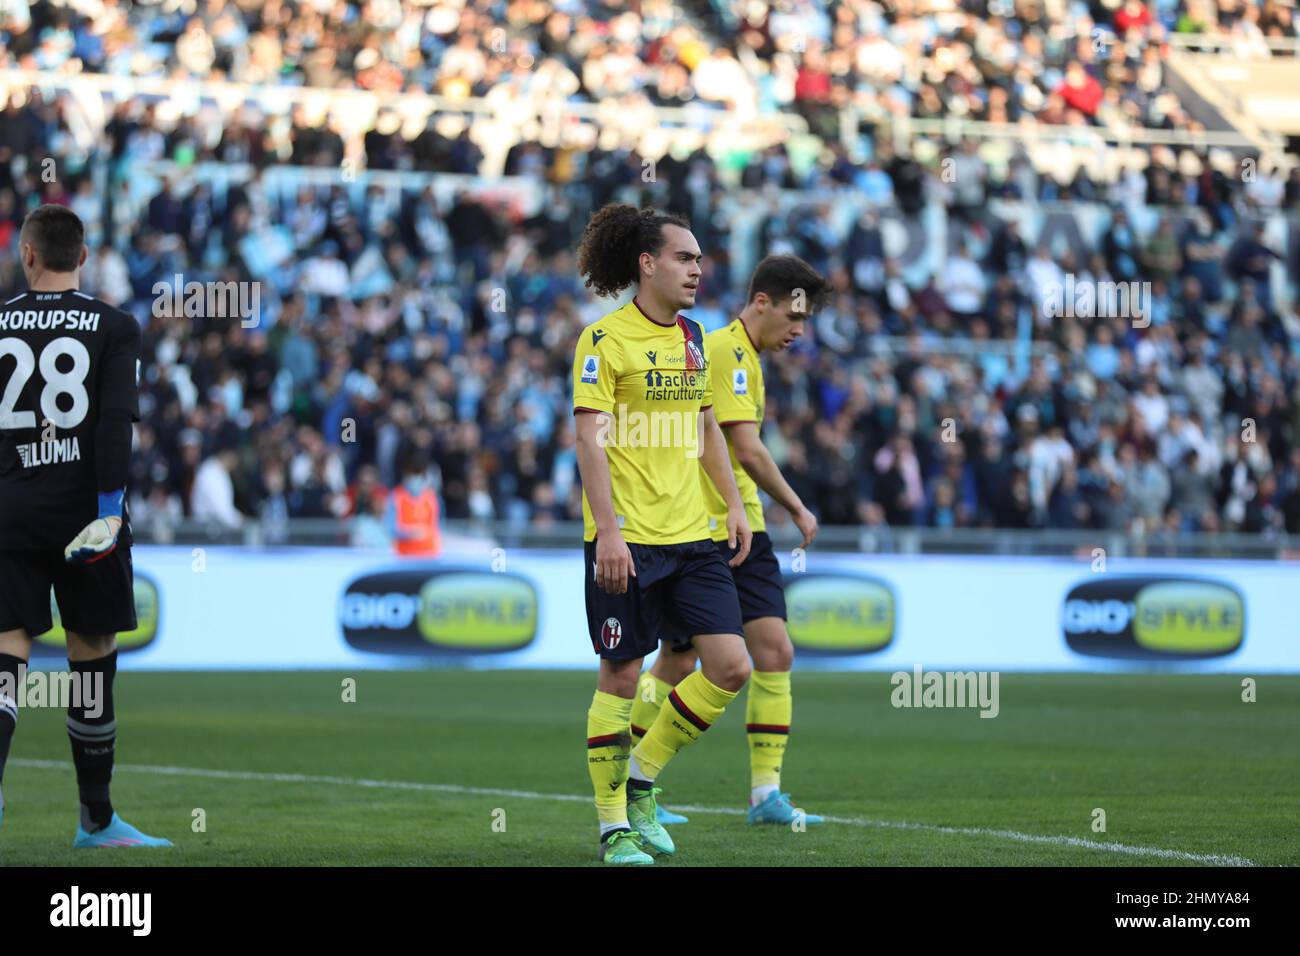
column 635, row 772
column 758, row 794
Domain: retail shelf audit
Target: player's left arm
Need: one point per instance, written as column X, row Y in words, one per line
column 757, row 461
column 717, row 465
column 118, row 405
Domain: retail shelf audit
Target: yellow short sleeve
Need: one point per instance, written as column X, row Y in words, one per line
column 731, row 383
column 594, row 371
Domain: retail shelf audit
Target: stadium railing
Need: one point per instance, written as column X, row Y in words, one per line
column 468, row 537
column 551, row 119
column 1227, row 43
column 356, row 110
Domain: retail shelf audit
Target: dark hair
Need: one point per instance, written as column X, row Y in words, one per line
column 417, row 462
column 57, row 235
column 780, row 276
column 613, row 242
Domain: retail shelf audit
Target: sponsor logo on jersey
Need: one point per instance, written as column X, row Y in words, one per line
column 739, row 353
column 673, row 387
column 53, row 452
column 657, row 379
column 652, row 356
column 596, row 336
column 591, row 369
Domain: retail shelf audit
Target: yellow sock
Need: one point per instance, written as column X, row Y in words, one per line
column 767, row 724
column 651, row 693
column 608, row 745
column 693, row 705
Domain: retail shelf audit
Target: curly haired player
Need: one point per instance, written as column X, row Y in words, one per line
column 645, row 425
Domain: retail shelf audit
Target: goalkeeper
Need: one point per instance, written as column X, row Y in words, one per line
column 69, row 377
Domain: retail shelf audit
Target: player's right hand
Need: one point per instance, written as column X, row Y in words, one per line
column 739, row 536
column 806, row 522
column 94, row 541
column 613, row 563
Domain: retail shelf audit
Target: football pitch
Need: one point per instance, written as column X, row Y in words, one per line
column 449, row 768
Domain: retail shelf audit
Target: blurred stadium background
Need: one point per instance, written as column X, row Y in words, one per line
column 403, row 185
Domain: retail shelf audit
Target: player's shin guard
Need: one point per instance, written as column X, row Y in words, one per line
column 693, row 705
column 92, row 731
column 608, row 744
column 651, row 693
column 768, row 709
column 10, row 669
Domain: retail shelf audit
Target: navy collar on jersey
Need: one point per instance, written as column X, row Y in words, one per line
column 636, row 305
column 745, row 327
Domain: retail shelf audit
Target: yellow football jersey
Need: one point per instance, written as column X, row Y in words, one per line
column 653, row 380
column 738, row 396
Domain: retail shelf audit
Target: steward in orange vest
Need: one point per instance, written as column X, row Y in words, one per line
column 413, row 515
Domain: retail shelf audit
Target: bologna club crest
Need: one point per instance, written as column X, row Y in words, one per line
column 694, row 357
column 611, row 633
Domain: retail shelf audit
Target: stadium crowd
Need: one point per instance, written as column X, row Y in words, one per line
column 407, row 334
column 1058, row 60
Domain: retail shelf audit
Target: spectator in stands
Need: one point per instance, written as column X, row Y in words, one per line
column 414, row 513
column 378, row 299
column 213, row 496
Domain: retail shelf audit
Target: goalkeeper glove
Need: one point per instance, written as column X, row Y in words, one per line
column 98, row 538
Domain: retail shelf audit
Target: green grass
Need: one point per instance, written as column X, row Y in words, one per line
column 1177, row 762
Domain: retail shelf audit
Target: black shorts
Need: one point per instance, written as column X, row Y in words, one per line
column 94, row 599
column 684, row 587
column 759, row 585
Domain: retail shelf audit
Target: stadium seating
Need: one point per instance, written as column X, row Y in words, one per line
column 825, row 130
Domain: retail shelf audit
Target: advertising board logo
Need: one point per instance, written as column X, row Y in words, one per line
column 839, row 614
column 54, row 642
column 1154, row 617
column 439, row 611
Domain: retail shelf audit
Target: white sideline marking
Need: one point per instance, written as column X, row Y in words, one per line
column 1077, row 842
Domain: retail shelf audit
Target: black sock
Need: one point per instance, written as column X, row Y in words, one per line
column 94, row 738
column 9, row 668
column 638, row 785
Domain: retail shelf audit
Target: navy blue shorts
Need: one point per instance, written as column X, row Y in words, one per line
column 683, row 588
column 759, row 585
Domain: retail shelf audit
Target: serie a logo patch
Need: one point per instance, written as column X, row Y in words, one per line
column 590, row 369
column 739, row 382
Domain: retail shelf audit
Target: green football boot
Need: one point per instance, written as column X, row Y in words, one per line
column 624, row 848
column 642, row 813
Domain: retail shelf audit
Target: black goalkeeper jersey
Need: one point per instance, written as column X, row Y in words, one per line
column 69, row 391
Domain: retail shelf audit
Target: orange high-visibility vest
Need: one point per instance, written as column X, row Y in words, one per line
column 417, row 513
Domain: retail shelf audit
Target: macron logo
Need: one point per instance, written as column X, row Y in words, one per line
column 76, row 909
column 596, row 336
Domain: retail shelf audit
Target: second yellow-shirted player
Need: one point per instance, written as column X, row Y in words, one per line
column 783, row 292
